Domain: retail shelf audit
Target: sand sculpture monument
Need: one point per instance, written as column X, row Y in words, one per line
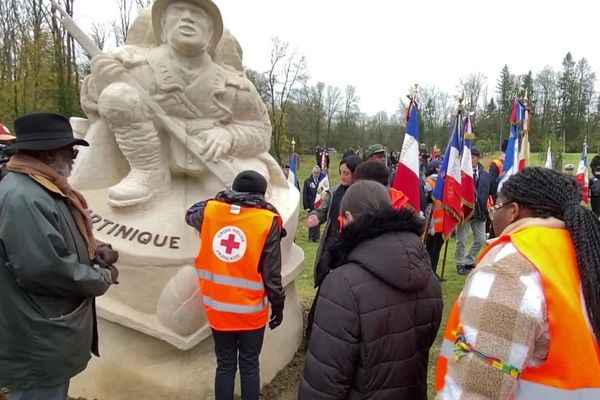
column 172, row 119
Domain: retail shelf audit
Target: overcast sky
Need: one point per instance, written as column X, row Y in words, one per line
column 383, row 47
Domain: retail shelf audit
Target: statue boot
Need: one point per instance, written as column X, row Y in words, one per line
column 149, row 174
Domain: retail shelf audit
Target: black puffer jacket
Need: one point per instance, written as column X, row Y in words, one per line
column 377, row 314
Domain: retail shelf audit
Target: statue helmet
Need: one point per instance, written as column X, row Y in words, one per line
column 211, row 9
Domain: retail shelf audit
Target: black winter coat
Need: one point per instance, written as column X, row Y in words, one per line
column 377, row 314
column 483, row 190
column 309, row 193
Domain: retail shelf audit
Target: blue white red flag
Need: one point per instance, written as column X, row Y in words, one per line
column 582, row 174
column 511, row 160
column 322, row 188
column 293, row 174
column 524, row 149
column 448, row 188
column 407, row 178
column 466, row 171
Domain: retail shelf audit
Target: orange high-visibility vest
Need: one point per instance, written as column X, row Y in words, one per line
column 231, row 244
column 499, row 163
column 572, row 367
column 437, row 219
column 398, row 198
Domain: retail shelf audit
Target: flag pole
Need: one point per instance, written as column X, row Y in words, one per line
column 444, row 260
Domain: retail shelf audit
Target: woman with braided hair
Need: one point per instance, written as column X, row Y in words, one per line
column 527, row 324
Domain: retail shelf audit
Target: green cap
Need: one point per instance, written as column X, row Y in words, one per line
column 374, row 149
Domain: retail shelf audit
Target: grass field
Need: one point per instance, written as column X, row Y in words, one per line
column 453, row 283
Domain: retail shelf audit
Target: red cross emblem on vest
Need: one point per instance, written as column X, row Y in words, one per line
column 229, row 244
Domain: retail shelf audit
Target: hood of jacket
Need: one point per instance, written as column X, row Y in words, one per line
column 387, row 243
column 253, row 200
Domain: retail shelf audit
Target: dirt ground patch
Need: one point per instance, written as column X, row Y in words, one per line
column 286, row 383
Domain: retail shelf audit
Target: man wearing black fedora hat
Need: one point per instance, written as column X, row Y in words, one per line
column 52, row 268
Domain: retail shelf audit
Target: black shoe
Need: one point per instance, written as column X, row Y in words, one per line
column 461, row 270
column 470, row 266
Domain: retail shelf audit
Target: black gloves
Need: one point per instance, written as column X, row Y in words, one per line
column 106, row 257
column 276, row 315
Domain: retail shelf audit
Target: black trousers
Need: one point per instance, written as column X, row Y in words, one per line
column 595, row 200
column 228, row 347
column 434, row 244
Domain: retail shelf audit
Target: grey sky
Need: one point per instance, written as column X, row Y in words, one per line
column 385, row 46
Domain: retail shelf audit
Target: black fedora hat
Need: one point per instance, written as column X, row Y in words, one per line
column 43, row 131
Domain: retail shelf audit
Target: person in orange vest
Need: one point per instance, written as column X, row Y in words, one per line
column 374, row 170
column 495, row 170
column 239, row 270
column 527, row 324
column 434, row 214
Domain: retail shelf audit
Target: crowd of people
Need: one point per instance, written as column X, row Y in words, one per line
column 526, row 325
column 509, row 334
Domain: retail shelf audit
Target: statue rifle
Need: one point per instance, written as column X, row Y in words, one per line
column 178, row 131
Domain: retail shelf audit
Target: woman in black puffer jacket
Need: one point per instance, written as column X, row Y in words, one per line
column 379, row 311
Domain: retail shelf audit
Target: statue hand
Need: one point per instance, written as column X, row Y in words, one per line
column 107, row 68
column 216, row 144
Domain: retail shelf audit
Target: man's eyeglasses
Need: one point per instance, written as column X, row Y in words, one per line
column 492, row 209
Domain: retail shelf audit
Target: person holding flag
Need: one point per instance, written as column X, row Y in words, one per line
column 448, row 188
column 407, row 179
column 309, row 194
column 481, row 182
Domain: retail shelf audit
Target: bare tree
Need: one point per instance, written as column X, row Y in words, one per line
column 141, row 4
column 333, row 104
column 288, row 70
column 546, row 83
column 314, row 99
column 379, row 121
column 99, row 34
column 472, row 87
column 260, row 82
column 121, row 26
column 351, row 110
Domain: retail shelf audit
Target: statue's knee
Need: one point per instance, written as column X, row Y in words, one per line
column 120, row 104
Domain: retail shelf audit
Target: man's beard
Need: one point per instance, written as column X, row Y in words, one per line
column 61, row 167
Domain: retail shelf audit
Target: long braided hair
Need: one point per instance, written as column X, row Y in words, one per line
column 548, row 193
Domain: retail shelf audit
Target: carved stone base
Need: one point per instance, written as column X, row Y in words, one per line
column 134, row 365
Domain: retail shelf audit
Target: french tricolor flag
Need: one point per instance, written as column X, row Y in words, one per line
column 293, row 174
column 466, row 171
column 449, row 188
column 582, row 174
column 511, row 160
column 524, row 152
column 407, row 175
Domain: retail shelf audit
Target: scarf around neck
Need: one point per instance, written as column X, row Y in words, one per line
column 40, row 172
